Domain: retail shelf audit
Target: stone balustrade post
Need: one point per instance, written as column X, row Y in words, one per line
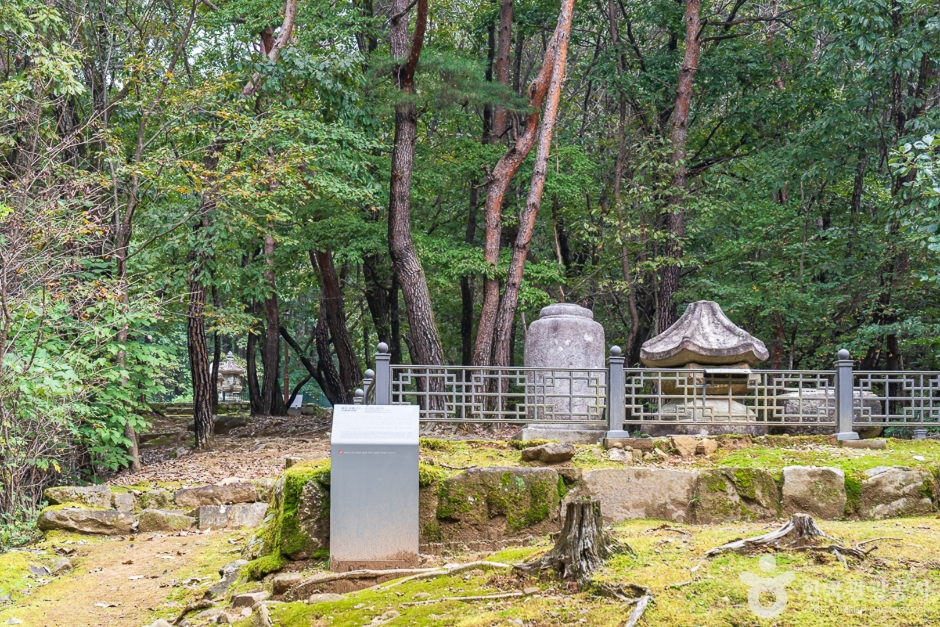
column 616, row 384
column 383, row 375
column 845, row 392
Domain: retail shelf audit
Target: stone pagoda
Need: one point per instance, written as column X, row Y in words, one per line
column 230, row 379
column 712, row 357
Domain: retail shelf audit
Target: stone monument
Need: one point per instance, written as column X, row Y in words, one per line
column 230, row 378
column 565, row 336
column 718, row 356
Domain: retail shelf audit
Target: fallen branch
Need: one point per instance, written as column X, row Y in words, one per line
column 481, row 597
column 668, row 528
column 443, row 572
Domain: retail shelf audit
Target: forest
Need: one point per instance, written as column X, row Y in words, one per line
column 295, row 181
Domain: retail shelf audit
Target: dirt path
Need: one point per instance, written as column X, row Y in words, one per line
column 120, row 582
column 253, row 451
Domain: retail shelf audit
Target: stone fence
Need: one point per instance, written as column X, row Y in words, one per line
column 615, row 401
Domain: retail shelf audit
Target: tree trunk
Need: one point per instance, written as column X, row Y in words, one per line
column 332, row 307
column 251, row 365
column 500, row 178
column 507, row 306
column 503, row 46
column 675, row 217
column 272, row 403
column 122, row 238
column 582, row 546
column 199, row 360
column 330, row 381
column 425, row 339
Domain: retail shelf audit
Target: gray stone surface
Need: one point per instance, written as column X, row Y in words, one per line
column 565, row 336
column 801, row 409
column 891, row 491
column 92, row 496
column 562, row 433
column 124, row 501
column 282, row 582
column 732, row 494
column 231, row 516
column 249, row 599
column 229, row 574
column 551, row 453
column 703, row 335
column 641, row 493
column 241, row 492
column 819, row 492
column 152, row 520
column 155, row 499
column 109, row 522
column 681, row 417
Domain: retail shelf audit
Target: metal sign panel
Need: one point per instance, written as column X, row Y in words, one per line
column 374, row 487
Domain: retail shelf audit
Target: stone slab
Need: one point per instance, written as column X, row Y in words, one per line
column 92, row 496
column 231, row 516
column 240, row 492
column 152, row 520
column 892, row 491
column 109, row 522
column 628, row 493
column 819, row 492
column 562, row 434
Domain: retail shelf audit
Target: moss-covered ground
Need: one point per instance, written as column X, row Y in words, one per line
column 897, row 584
column 768, row 453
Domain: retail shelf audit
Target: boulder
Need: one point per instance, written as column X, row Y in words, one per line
column 735, row 494
column 551, row 453
column 282, row 582
column 627, row 493
column 241, row 492
column 685, row 416
column 706, row 447
column 107, row 522
column 92, row 496
column 231, row 516
column 497, row 502
column 249, row 599
column 155, row 499
column 264, row 486
column 225, row 424
column 703, row 335
column 229, row 575
column 819, row 492
column 804, row 409
column 153, row 520
column 685, row 445
column 61, row 566
column 124, row 501
column 891, row 491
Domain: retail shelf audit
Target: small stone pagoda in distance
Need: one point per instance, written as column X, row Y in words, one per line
column 717, row 355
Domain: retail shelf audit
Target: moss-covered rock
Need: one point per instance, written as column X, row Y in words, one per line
column 732, row 494
column 495, row 503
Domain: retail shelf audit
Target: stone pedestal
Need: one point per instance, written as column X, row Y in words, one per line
column 566, row 337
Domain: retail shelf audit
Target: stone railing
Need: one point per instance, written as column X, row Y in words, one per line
column 663, row 400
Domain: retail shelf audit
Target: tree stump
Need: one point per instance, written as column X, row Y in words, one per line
column 798, row 532
column 582, row 546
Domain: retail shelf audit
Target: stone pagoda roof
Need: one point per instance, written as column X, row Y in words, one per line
column 702, row 335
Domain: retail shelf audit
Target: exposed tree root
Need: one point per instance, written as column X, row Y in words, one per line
column 443, row 572
column 637, row 612
column 582, row 546
column 800, row 533
column 205, row 604
column 480, row 597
